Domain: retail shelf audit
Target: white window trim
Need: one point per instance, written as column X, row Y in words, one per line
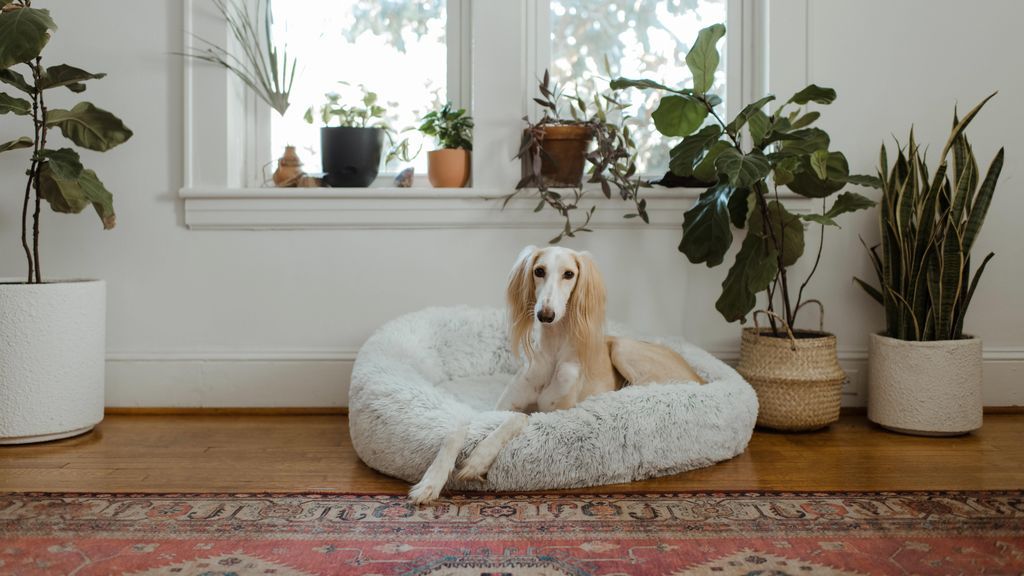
column 223, row 129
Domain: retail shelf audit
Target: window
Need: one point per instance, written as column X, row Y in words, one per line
column 639, row 39
column 396, row 50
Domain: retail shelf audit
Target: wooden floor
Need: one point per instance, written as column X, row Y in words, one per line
column 231, row 453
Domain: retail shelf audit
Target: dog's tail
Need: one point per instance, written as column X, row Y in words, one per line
column 646, row 363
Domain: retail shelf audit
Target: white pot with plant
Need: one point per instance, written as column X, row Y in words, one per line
column 449, row 166
column 52, row 333
column 743, row 163
column 925, row 374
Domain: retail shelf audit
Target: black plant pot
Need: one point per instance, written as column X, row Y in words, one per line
column 350, row 156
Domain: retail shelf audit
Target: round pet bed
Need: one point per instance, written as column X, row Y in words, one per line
column 421, row 375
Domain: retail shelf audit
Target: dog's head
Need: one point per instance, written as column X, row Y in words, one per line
column 553, row 285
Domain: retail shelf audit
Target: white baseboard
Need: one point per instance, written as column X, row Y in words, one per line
column 320, row 378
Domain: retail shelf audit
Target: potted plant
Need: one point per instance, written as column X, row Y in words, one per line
column 549, row 146
column 262, row 65
column 795, row 372
column 925, row 374
column 352, row 140
column 53, row 333
column 449, row 166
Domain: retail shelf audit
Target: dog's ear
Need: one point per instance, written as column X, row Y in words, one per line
column 521, row 298
column 587, row 307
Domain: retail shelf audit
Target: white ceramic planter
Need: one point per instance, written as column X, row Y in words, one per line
column 925, row 388
column 52, row 359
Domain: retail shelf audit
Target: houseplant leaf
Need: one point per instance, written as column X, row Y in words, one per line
column 814, row 93
column 644, row 84
column 702, row 59
column 845, row 202
column 707, row 235
column 706, row 171
column 14, row 105
column 742, row 170
column 754, row 269
column 15, row 79
column 73, row 196
column 685, row 156
column 785, row 225
column 679, row 115
column 89, row 127
column 806, row 181
column 18, row 143
column 65, row 163
column 23, row 34
column 748, row 111
column 64, row 75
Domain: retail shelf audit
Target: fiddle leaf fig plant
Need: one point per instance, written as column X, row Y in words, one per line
column 55, row 174
column 744, row 162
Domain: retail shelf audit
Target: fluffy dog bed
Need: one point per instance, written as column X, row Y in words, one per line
column 422, row 374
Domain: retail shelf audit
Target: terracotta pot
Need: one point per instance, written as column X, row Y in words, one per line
column 925, row 388
column 289, row 168
column 448, row 168
column 565, row 147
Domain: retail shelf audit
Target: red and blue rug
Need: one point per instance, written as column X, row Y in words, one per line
column 712, row 533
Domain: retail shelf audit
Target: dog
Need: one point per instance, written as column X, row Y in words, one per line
column 556, row 315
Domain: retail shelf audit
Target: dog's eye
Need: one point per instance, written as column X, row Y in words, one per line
column 568, row 274
column 538, row 272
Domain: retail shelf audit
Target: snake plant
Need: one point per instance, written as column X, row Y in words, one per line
column 928, row 228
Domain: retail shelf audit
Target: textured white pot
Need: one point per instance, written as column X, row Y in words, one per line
column 925, row 388
column 52, row 356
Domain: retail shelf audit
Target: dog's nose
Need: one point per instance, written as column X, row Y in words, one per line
column 546, row 316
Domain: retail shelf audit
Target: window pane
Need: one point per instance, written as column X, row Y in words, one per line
column 396, row 49
column 647, row 39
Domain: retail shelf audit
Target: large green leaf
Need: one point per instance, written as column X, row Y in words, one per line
column 801, row 142
column 685, row 156
column 742, row 170
column 15, row 79
column 22, row 142
column 643, row 84
column 65, row 163
column 73, row 196
column 786, row 229
column 679, row 115
column 706, row 171
column 748, row 111
column 754, row 269
column 706, row 232
column 807, row 183
column 845, row 202
column 89, row 127
column 864, row 180
column 64, row 75
column 982, row 201
column 759, row 124
column 23, row 34
column 14, row 105
column 814, row 93
column 702, row 59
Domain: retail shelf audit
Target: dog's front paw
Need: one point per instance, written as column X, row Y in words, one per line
column 424, row 492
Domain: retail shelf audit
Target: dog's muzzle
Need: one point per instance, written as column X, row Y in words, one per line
column 546, row 316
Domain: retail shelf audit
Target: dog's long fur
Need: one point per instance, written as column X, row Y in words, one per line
column 556, row 320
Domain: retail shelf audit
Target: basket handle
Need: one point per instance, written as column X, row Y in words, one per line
column 821, row 315
column 757, row 327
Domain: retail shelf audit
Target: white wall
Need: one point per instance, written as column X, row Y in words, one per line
column 244, row 318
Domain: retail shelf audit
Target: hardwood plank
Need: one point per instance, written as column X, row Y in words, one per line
column 296, row 453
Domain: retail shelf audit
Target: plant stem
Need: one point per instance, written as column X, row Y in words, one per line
column 33, row 169
column 40, row 120
column 821, row 243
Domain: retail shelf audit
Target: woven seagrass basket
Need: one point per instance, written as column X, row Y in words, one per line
column 797, row 378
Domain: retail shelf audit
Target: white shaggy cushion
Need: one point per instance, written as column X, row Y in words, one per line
column 420, row 375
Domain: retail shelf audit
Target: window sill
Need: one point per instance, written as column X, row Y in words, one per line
column 389, row 208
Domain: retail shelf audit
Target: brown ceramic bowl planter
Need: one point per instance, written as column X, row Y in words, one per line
column 448, row 167
column 564, row 153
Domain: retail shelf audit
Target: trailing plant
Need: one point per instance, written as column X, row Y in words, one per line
column 451, row 128
column 54, row 174
column 928, row 227
column 368, row 114
column 612, row 160
column 747, row 160
column 263, row 65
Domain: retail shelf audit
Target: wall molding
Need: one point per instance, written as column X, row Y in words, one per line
column 319, row 378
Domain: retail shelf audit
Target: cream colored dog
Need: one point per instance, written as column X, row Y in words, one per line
column 556, row 304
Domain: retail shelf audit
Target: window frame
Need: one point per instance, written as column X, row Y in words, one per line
column 494, row 57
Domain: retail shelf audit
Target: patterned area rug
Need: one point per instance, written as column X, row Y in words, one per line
column 714, row 534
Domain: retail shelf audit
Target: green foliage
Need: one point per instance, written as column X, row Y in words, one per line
column 928, row 227
column 368, row 114
column 452, row 128
column 54, row 174
column 263, row 66
column 612, row 160
column 784, row 150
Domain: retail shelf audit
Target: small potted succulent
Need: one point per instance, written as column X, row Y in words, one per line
column 795, row 372
column 449, row 166
column 925, row 374
column 52, row 332
column 352, row 139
